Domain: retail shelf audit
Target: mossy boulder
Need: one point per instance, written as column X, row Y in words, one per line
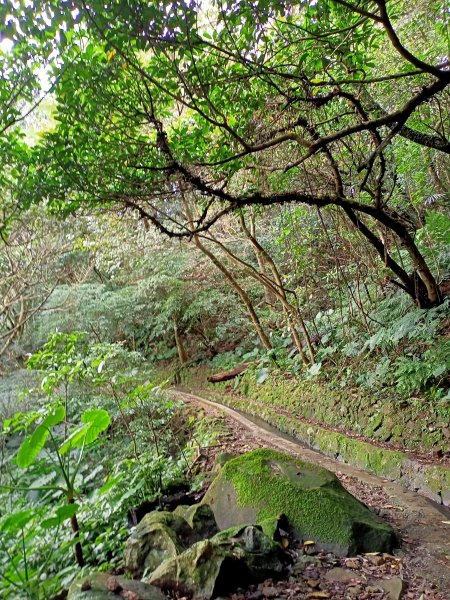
column 262, row 484
column 200, row 518
column 160, row 535
column 103, row 586
column 210, row 568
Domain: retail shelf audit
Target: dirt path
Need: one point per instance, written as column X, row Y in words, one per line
column 424, row 526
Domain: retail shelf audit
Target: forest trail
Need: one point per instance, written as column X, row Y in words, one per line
column 424, row 526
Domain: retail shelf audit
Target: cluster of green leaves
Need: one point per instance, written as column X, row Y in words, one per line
column 407, row 350
column 405, row 353
column 99, row 441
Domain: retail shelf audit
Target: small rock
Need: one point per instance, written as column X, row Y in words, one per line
column 311, row 574
column 256, row 595
column 103, row 586
column 304, row 561
column 129, row 595
column 341, row 575
column 112, row 585
column 393, row 587
column 313, row 583
column 269, row 592
column 354, row 590
column 377, row 560
column 351, row 563
column 372, row 589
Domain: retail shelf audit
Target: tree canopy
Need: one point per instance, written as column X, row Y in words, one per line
column 227, row 105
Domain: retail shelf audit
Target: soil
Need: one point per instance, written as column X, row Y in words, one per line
column 419, row 570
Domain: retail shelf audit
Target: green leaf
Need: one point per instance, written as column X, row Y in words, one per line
column 64, row 512
column 440, row 370
column 314, row 369
column 94, row 422
column 98, row 420
column 75, row 439
column 110, row 483
column 16, row 521
column 32, row 445
column 263, row 374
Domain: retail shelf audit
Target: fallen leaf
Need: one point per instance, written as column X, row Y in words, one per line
column 446, row 522
column 351, row 563
column 319, row 595
column 309, row 543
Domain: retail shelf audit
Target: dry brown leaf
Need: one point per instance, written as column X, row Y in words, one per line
column 319, row 595
column 351, row 563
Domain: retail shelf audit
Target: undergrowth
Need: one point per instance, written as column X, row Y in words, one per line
column 96, row 437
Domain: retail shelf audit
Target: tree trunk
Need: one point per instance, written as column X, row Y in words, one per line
column 293, row 314
column 239, row 290
column 273, row 289
column 182, row 354
column 231, row 280
column 227, row 375
column 271, row 298
column 423, row 289
column 78, row 550
column 433, row 295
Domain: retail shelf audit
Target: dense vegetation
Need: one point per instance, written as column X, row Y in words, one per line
column 189, row 184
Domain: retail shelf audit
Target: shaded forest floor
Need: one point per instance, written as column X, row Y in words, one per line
column 419, row 570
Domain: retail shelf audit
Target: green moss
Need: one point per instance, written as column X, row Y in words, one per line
column 438, row 480
column 313, row 500
column 374, row 423
column 378, row 460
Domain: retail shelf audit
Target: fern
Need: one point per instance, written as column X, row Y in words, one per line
column 415, row 374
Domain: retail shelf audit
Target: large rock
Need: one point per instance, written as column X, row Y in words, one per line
column 200, row 518
column 258, row 486
column 210, row 568
column 103, row 586
column 160, row 535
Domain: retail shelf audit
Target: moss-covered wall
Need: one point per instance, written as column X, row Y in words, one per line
column 413, row 424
